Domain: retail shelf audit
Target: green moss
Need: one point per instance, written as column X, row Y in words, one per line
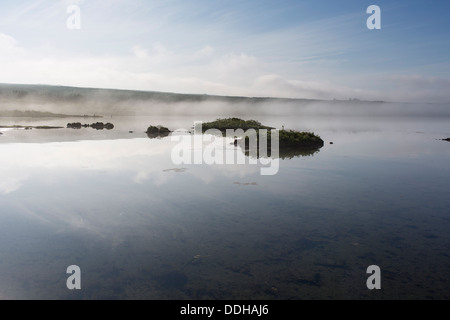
column 292, row 139
column 233, row 123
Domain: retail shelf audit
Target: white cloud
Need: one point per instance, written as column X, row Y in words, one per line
column 203, row 70
column 140, row 52
column 177, row 46
column 200, row 70
column 9, row 47
column 204, row 52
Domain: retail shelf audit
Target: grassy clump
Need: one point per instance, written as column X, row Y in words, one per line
column 292, row 139
column 233, row 123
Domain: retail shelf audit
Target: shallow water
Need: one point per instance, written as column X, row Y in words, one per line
column 141, row 227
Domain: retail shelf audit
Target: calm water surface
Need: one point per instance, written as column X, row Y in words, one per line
column 140, row 227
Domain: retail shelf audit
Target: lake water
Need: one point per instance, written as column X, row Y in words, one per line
column 141, row 227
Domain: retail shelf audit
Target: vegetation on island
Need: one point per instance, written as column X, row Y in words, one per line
column 233, row 123
column 292, row 139
column 287, row 138
column 290, row 144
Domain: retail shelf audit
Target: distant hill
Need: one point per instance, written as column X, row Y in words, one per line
column 40, row 114
column 22, row 91
column 62, row 100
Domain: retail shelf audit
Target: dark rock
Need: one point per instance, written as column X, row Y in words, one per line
column 74, row 125
column 98, row 125
column 157, row 129
column 109, row 126
column 101, row 126
column 157, row 132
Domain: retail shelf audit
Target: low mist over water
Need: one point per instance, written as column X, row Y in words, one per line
column 85, row 101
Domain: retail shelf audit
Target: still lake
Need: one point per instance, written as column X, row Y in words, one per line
column 140, row 227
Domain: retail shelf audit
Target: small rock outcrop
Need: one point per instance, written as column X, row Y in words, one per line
column 97, row 125
column 74, row 125
column 157, row 132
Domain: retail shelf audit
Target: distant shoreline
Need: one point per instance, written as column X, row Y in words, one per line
column 30, row 127
column 41, row 114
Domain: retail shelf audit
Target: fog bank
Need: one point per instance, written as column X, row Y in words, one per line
column 107, row 102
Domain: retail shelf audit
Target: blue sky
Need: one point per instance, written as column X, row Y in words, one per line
column 298, row 49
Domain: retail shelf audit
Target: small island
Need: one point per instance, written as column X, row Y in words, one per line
column 288, row 139
column 291, row 143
